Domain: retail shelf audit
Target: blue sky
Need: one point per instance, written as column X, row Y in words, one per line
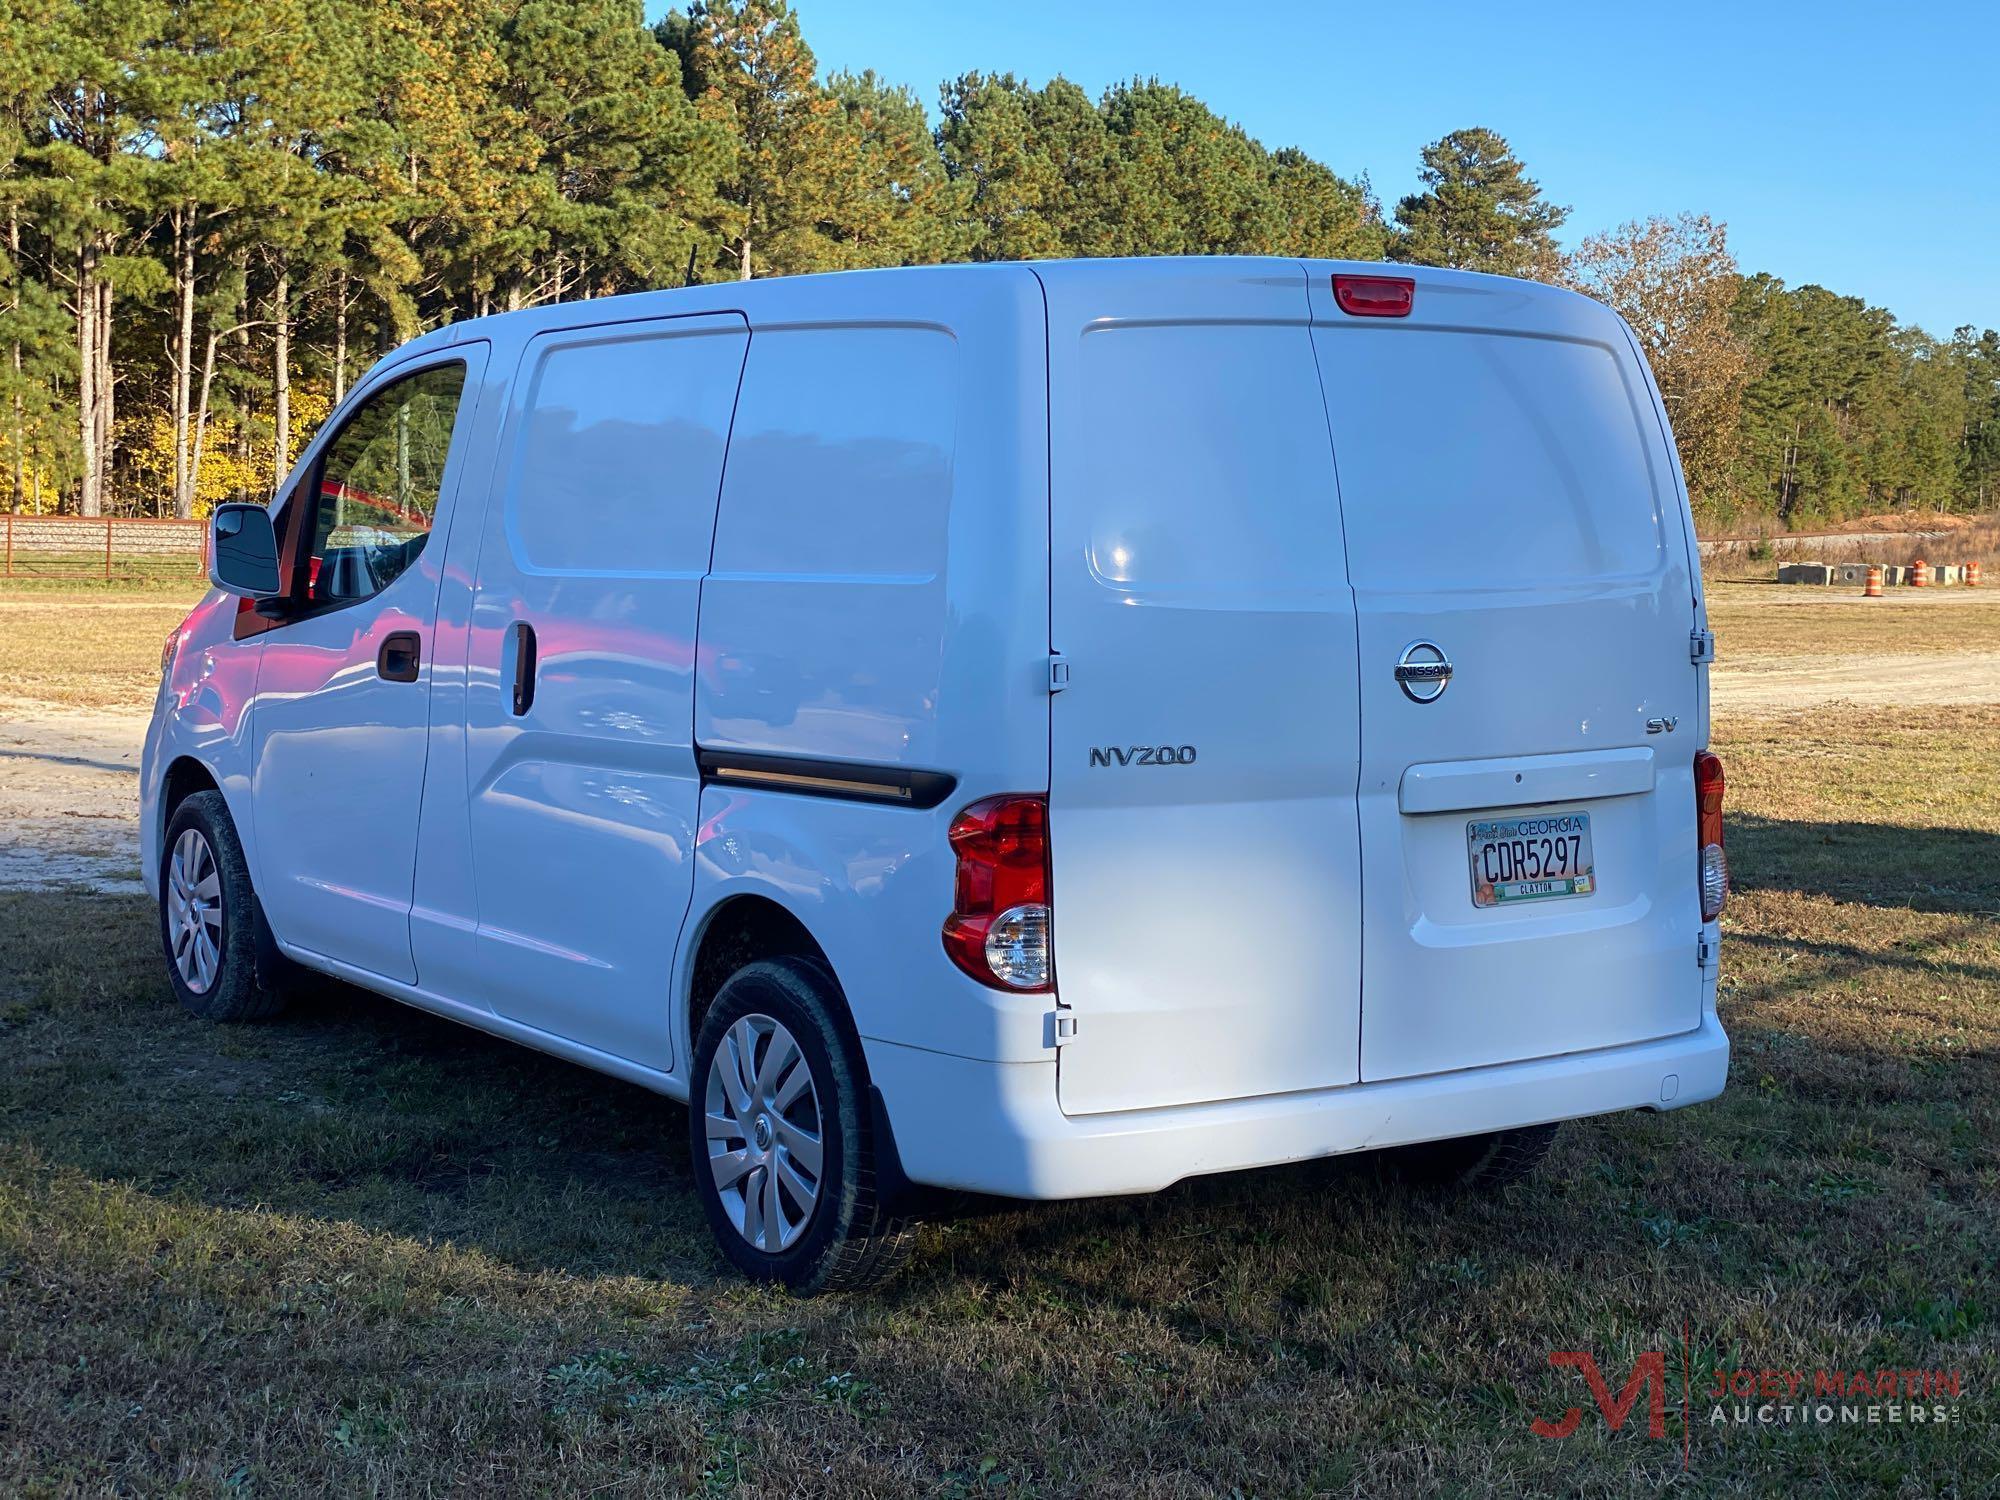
column 1854, row 146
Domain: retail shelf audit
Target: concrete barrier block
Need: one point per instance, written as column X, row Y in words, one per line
column 1804, row 573
column 1854, row 573
column 1895, row 574
column 1946, row 573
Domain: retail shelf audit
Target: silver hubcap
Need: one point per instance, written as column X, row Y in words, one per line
column 194, row 911
column 762, row 1117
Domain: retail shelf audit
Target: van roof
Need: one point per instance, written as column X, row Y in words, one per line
column 1470, row 297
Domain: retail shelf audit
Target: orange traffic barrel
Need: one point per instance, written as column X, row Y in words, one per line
column 1874, row 588
column 1972, row 575
column 1920, row 574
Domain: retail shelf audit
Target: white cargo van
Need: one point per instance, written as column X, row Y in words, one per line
column 1038, row 730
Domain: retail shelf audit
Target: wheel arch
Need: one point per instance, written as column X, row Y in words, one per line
column 740, row 929
column 186, row 776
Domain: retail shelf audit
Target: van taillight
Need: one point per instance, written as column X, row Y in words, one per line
column 1708, row 787
column 998, row 931
column 1375, row 296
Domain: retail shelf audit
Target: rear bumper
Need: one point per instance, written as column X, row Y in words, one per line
column 997, row 1128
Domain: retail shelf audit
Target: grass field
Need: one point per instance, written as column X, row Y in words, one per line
column 84, row 573
column 86, row 652
column 362, row 1250
column 1757, row 620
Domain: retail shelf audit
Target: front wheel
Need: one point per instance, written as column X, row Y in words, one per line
column 208, row 916
column 780, row 1134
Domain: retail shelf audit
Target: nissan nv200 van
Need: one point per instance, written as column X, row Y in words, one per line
column 1040, row 730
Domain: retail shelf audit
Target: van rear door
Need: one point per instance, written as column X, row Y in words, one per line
column 1203, row 842
column 1528, row 821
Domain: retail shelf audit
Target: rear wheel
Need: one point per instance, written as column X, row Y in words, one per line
column 780, row 1135
column 1473, row 1161
column 209, row 917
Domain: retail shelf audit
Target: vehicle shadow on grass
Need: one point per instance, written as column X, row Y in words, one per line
column 1940, row 873
column 1871, row 864
column 353, row 1109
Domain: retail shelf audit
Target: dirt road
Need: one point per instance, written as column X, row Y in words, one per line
column 69, row 795
column 1777, row 683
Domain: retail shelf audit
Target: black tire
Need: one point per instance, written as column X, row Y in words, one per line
column 1479, row 1162
column 847, row 1241
column 230, row 990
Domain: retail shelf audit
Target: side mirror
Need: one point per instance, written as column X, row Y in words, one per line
column 243, row 559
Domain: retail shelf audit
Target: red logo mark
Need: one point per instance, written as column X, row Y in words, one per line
column 1649, row 1373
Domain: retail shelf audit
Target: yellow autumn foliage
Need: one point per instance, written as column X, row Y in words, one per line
column 146, row 443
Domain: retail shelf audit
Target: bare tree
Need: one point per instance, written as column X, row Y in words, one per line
column 1675, row 282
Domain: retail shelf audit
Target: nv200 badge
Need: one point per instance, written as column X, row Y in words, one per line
column 1142, row 755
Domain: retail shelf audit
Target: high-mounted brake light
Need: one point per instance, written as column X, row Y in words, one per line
column 1708, row 789
column 998, row 931
column 1375, row 296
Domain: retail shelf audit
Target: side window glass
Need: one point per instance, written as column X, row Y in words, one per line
column 620, row 453
column 377, row 486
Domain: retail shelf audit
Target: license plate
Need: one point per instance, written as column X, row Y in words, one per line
column 1530, row 859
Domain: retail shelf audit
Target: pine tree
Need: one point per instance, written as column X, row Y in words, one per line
column 96, row 174
column 1844, row 411
column 1319, row 213
column 1193, row 184
column 618, row 172
column 1086, row 203
column 434, row 155
column 749, row 70
column 37, row 339
column 899, row 206
column 1932, row 410
column 1978, row 358
column 215, row 196
column 992, row 150
column 1479, row 211
column 1040, row 173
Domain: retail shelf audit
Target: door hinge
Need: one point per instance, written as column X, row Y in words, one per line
column 1701, row 647
column 1706, row 951
column 1062, row 1027
column 1058, row 672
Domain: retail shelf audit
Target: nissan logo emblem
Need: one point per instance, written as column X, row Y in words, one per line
column 1423, row 672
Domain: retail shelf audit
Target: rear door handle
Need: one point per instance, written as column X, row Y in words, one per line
column 401, row 654
column 522, row 636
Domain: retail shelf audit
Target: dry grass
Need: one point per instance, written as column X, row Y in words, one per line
column 360, row 1249
column 1757, row 620
column 83, row 573
column 83, row 651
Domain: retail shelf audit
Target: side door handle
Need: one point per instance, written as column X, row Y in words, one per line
column 522, row 638
column 401, row 654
